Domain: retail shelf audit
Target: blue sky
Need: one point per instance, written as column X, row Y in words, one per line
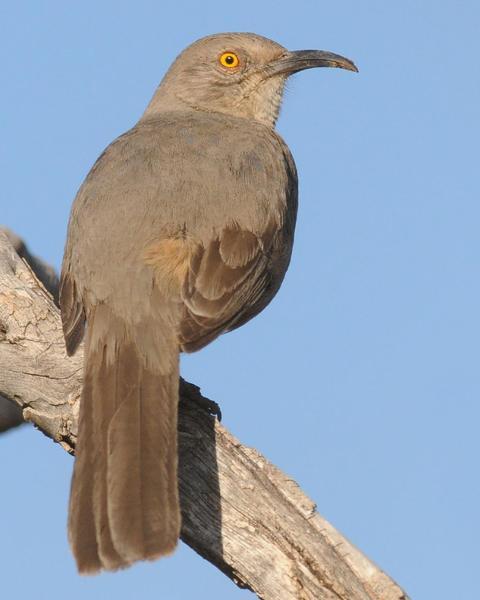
column 361, row 380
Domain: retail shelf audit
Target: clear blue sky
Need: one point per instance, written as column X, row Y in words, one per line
column 361, row 380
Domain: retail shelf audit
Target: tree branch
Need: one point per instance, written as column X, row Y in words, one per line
column 239, row 511
column 10, row 413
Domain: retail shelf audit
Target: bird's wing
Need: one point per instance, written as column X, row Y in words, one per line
column 228, row 281
column 71, row 308
column 216, row 283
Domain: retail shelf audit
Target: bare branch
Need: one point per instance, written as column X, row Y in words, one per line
column 239, row 511
column 10, row 413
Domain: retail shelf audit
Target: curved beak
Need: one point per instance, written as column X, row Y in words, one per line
column 292, row 62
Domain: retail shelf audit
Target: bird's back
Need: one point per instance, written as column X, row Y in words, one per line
column 189, row 174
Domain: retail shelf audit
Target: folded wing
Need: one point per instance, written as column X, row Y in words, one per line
column 228, row 282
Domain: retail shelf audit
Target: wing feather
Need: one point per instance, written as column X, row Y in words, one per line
column 72, row 312
column 227, row 279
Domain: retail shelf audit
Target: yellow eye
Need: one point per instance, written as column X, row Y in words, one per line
column 229, row 60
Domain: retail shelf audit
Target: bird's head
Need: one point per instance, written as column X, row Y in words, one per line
column 239, row 74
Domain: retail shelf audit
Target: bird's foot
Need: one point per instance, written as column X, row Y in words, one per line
column 189, row 392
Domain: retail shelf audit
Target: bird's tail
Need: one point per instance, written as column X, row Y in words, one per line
column 124, row 498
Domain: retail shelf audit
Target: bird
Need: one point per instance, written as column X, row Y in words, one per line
column 181, row 231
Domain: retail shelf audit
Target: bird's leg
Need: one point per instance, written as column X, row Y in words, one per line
column 190, row 393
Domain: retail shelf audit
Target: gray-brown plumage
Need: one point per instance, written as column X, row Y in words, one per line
column 182, row 230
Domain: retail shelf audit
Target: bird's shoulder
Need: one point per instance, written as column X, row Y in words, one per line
column 182, row 155
column 210, row 134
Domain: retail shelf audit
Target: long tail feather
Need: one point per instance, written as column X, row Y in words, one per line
column 124, row 499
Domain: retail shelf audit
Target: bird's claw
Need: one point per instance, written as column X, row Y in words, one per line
column 191, row 393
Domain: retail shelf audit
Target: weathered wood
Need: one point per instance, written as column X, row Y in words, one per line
column 239, row 511
column 10, row 413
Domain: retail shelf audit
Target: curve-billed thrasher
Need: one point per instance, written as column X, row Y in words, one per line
column 182, row 230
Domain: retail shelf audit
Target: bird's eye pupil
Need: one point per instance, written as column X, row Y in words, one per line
column 229, row 59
